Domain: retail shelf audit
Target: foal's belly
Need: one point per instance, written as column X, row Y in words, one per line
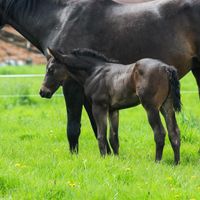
column 118, row 103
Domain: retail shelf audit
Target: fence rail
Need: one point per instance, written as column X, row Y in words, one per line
column 21, row 75
column 56, row 95
column 28, row 95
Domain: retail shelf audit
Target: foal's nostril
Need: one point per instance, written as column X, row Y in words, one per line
column 41, row 93
column 45, row 94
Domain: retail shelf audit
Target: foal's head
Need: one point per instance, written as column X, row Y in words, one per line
column 56, row 74
column 78, row 65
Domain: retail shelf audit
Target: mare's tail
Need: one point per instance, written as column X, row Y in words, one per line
column 174, row 88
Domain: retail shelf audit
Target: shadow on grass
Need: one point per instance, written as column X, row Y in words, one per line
column 27, row 137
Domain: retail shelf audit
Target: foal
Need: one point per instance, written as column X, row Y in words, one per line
column 110, row 86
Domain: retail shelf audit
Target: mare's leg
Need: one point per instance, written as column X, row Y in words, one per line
column 158, row 129
column 100, row 116
column 196, row 71
column 172, row 127
column 88, row 108
column 74, row 98
column 113, row 138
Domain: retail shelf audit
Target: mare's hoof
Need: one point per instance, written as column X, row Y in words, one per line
column 177, row 163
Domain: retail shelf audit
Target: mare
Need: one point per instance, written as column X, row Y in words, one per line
column 168, row 30
column 110, row 86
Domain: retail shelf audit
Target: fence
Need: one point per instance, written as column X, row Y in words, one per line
column 56, row 95
column 23, row 76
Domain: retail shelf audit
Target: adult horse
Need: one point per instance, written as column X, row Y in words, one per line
column 168, row 30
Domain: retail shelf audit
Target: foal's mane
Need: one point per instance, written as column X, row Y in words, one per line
column 84, row 52
column 83, row 59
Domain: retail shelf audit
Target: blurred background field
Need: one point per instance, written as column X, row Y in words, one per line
column 35, row 162
column 16, row 50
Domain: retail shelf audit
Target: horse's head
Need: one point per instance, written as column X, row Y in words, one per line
column 56, row 74
column 77, row 65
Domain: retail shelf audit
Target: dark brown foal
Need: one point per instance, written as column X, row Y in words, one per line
column 110, row 87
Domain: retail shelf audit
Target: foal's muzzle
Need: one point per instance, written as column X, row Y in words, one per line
column 45, row 93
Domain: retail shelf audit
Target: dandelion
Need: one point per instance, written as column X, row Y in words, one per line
column 127, row 169
column 71, row 184
column 169, row 178
column 18, row 165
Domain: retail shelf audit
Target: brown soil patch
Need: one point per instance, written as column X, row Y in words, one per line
column 11, row 51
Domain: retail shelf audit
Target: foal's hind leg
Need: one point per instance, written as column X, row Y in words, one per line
column 172, row 127
column 113, row 138
column 158, row 129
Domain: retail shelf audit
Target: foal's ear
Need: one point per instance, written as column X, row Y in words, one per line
column 57, row 55
column 48, row 54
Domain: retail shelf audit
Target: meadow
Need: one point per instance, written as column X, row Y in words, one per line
column 35, row 162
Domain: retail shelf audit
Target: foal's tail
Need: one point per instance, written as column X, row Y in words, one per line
column 174, row 88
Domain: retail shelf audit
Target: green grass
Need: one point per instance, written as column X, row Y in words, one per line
column 35, row 162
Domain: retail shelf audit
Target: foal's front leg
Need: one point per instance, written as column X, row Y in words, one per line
column 88, row 108
column 100, row 116
column 114, row 124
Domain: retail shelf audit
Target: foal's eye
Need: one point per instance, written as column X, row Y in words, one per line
column 51, row 71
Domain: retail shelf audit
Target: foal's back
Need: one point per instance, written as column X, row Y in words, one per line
column 120, row 86
column 111, row 84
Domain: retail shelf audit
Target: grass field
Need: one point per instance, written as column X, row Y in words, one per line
column 35, row 162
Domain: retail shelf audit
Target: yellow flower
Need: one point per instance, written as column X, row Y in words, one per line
column 169, row 178
column 128, row 169
column 71, row 184
column 18, row 165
